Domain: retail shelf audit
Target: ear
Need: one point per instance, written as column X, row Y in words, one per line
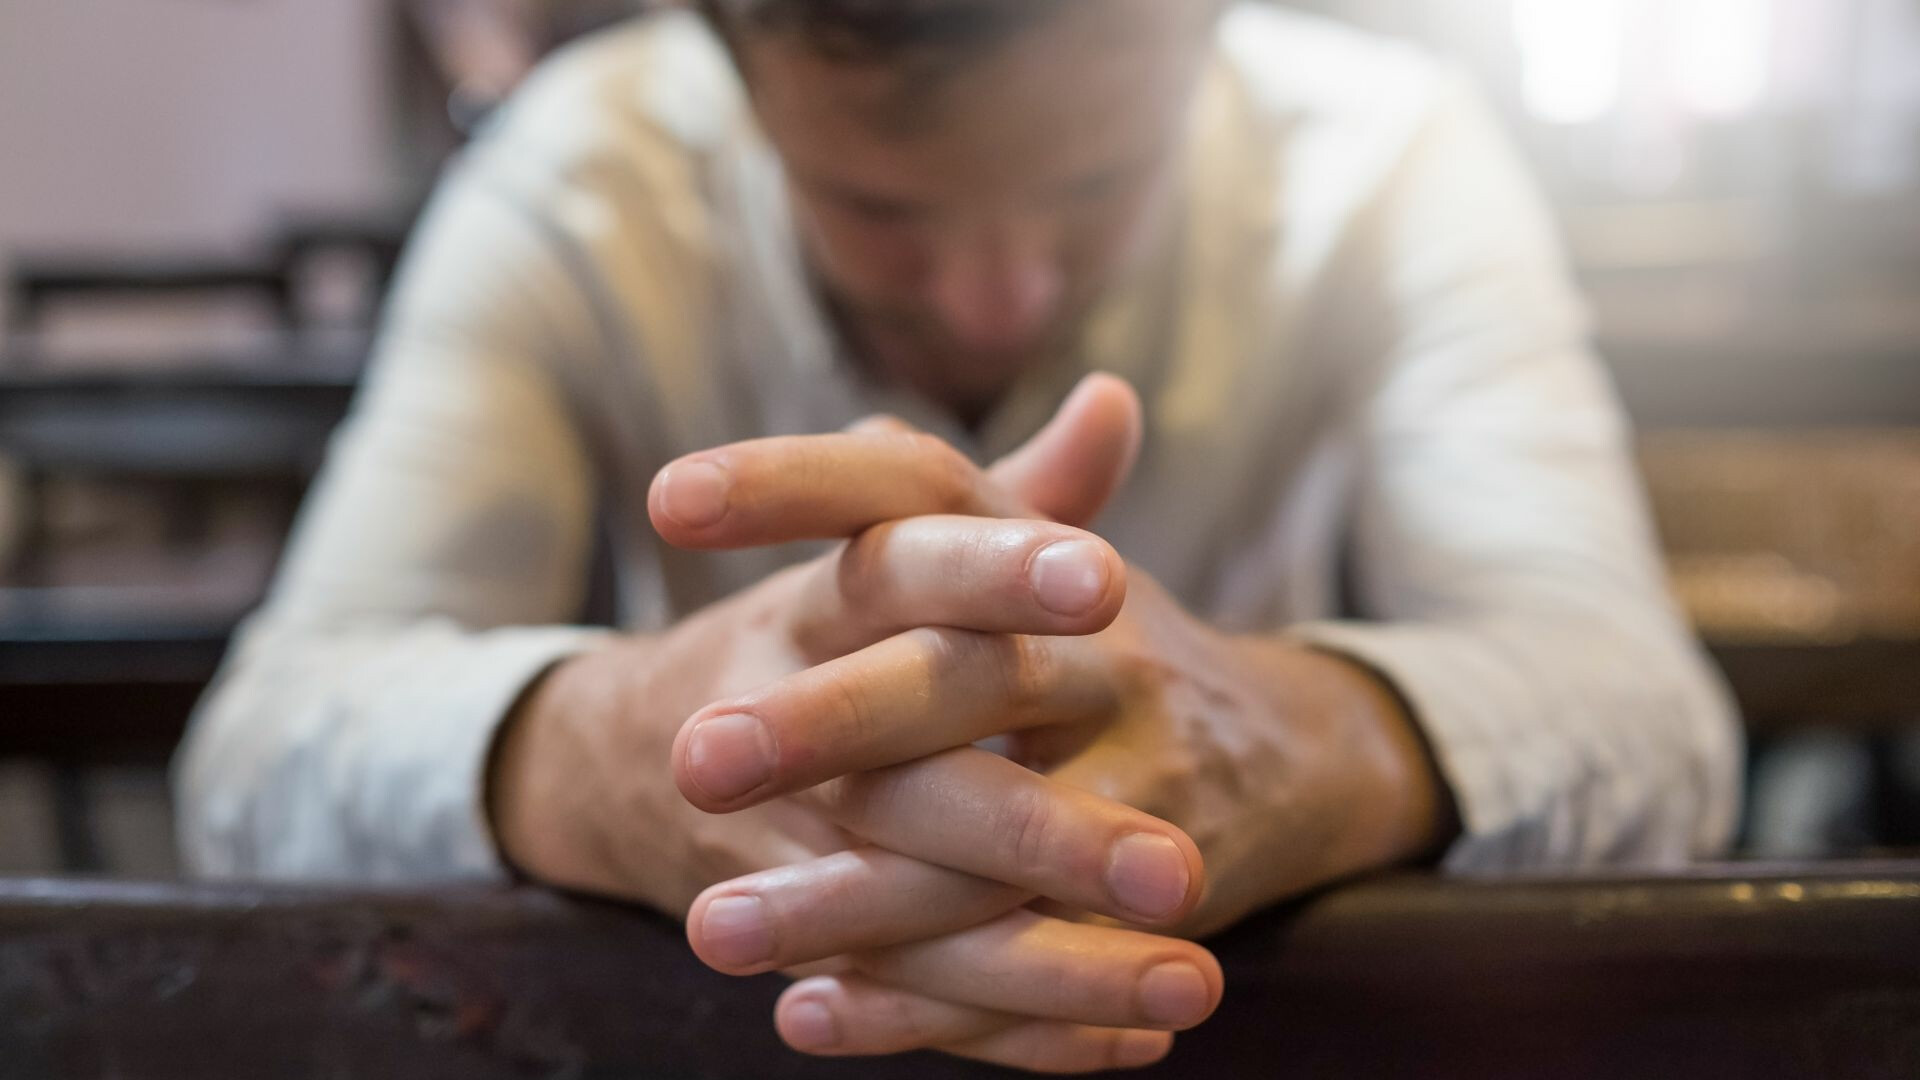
column 1072, row 467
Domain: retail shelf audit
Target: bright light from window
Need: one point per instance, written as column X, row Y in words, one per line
column 1711, row 58
column 1719, row 54
column 1572, row 52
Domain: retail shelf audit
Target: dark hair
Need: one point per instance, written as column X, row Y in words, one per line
column 874, row 30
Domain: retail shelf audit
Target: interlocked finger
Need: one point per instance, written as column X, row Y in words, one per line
column 1049, row 1046
column 846, row 902
column 979, row 813
column 849, row 1014
column 815, row 487
column 1030, row 965
column 911, row 695
column 970, row 573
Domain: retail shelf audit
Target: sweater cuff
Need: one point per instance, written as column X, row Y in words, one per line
column 1480, row 719
column 437, row 777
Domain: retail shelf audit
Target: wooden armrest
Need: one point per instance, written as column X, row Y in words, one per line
column 1724, row 971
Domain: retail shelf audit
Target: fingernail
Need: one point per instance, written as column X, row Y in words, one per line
column 878, row 424
column 1138, row 1049
column 729, row 755
column 1069, row 577
column 735, row 933
column 1174, row 994
column 1147, row 875
column 810, row 1026
column 694, row 493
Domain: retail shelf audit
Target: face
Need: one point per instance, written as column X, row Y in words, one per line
column 963, row 221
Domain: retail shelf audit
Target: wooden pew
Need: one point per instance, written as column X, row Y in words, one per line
column 112, row 679
column 1724, row 971
column 37, row 282
column 1797, row 555
column 193, row 430
column 261, row 415
column 273, row 275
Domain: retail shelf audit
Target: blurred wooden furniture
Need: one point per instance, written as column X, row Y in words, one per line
column 107, row 673
column 274, row 274
column 38, row 283
column 1797, row 554
column 1728, row 971
column 189, row 429
column 262, row 415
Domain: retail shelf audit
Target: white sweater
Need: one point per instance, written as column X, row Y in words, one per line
column 1373, row 420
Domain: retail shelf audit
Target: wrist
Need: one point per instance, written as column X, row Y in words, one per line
column 552, row 776
column 512, row 795
column 1367, row 776
column 1399, row 808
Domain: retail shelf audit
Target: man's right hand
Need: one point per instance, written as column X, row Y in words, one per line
column 583, row 795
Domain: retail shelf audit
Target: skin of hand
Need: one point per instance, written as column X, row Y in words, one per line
column 1289, row 767
column 926, row 930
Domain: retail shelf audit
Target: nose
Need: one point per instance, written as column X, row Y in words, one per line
column 997, row 288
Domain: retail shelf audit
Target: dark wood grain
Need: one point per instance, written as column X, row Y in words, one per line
column 1727, row 972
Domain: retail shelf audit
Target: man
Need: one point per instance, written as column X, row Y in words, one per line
column 1359, row 577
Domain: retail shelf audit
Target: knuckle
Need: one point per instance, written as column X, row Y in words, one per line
column 862, row 571
column 903, row 1025
column 852, row 717
column 812, row 468
column 952, row 478
column 829, row 797
column 950, row 657
column 972, row 558
column 714, row 855
column 1024, row 828
column 1142, row 675
column 1028, row 666
column 1014, row 671
column 818, row 913
column 851, row 799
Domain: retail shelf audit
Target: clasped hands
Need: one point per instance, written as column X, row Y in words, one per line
column 1017, row 908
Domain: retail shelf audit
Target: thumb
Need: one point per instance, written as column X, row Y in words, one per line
column 1072, row 467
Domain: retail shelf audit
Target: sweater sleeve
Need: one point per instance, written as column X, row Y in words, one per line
column 427, row 584
column 1510, row 582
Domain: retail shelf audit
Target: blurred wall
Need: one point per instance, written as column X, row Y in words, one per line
column 157, row 125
